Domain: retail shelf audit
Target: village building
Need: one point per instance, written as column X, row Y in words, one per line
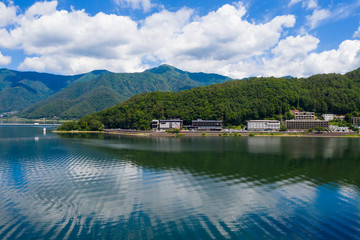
column 328, row 117
column 356, row 121
column 167, row 124
column 334, row 128
column 306, row 124
column 206, row 125
column 304, row 116
column 155, row 124
column 339, row 117
column 263, row 125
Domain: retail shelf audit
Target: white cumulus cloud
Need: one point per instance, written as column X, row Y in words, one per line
column 73, row 42
column 341, row 60
column 7, row 14
column 41, row 9
column 4, row 60
column 223, row 41
column 221, row 38
column 296, row 56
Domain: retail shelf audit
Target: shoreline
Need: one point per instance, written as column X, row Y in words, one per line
column 140, row 133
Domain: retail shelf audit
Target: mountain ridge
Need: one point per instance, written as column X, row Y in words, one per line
column 118, row 87
column 19, row 90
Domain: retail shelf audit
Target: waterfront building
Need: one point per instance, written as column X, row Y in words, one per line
column 170, row 123
column 306, row 124
column 304, row 116
column 166, row 124
column 263, row 125
column 334, row 128
column 356, row 121
column 206, row 125
column 328, row 117
column 155, row 124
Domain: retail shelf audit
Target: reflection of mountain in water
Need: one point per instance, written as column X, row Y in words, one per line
column 92, row 186
column 265, row 159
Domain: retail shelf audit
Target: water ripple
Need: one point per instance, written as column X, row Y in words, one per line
column 194, row 188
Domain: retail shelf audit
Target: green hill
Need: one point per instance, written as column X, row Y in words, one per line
column 19, row 90
column 82, row 98
column 234, row 102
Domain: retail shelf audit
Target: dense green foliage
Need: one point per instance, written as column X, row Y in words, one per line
column 19, row 90
column 83, row 125
column 320, row 129
column 234, row 102
column 82, row 98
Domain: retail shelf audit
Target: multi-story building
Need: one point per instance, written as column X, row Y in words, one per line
column 339, row 117
column 263, row 125
column 167, row 124
column 356, row 121
column 334, row 128
column 207, row 125
column 328, row 117
column 155, row 124
column 304, row 116
column 306, row 124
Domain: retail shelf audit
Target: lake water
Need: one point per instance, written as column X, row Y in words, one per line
column 86, row 186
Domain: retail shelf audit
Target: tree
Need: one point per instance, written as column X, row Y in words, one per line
column 283, row 129
column 320, row 129
column 288, row 116
column 95, row 125
column 69, row 126
column 348, row 118
column 83, row 125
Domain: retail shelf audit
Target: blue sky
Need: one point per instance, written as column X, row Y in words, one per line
column 234, row 38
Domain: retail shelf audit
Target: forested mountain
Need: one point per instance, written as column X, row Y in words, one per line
column 19, row 90
column 234, row 102
column 82, row 98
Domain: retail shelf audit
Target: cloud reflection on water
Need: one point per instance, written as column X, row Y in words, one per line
column 74, row 187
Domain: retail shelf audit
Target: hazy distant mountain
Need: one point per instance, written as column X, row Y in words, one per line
column 19, row 90
column 82, row 98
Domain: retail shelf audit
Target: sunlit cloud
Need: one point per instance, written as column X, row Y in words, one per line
column 223, row 41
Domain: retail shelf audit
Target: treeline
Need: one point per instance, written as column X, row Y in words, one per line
column 234, row 102
column 82, row 125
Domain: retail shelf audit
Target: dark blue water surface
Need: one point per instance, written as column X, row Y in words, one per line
column 94, row 186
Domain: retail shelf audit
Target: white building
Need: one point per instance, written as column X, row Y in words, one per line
column 263, row 125
column 338, row 129
column 171, row 123
column 328, row 117
column 155, row 124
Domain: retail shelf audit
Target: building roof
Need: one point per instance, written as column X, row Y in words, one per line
column 271, row 121
column 171, row 120
column 303, row 120
column 200, row 120
column 304, row 113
